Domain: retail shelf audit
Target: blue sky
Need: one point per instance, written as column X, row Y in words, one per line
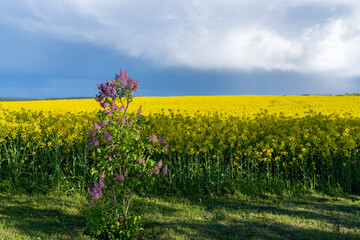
column 63, row 48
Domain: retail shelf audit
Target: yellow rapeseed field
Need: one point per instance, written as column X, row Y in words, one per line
column 68, row 118
column 313, row 140
column 244, row 105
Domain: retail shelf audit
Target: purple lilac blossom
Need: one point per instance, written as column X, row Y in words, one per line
column 97, row 185
column 156, row 170
column 123, row 120
column 130, row 123
column 101, row 183
column 107, row 112
column 138, row 114
column 131, row 83
column 106, row 136
column 161, row 139
column 104, row 88
column 113, row 108
column 100, row 87
column 113, row 91
column 152, row 138
column 92, row 133
column 99, row 98
column 141, row 160
column 107, row 90
column 160, row 163
column 96, row 126
column 165, row 170
column 166, row 145
column 95, row 142
column 122, row 78
column 136, row 87
column 104, row 104
column 96, row 192
column 119, row 178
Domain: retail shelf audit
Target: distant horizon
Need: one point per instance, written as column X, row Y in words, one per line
column 69, row 98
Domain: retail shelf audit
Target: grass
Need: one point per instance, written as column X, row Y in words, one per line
column 58, row 217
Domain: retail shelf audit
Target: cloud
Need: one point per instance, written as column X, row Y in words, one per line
column 312, row 37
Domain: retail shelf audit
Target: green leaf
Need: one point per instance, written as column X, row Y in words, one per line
column 93, row 171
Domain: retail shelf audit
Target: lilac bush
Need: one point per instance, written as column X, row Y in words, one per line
column 124, row 151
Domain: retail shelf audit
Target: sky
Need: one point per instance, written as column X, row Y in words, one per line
column 64, row 48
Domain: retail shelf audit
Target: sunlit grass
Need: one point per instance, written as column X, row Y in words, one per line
column 42, row 217
column 58, row 216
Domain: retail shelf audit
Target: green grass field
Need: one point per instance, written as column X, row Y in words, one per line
column 59, row 217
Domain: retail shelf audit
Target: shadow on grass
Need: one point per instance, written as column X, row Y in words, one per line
column 338, row 218
column 314, row 208
column 226, row 218
column 34, row 220
column 244, row 230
